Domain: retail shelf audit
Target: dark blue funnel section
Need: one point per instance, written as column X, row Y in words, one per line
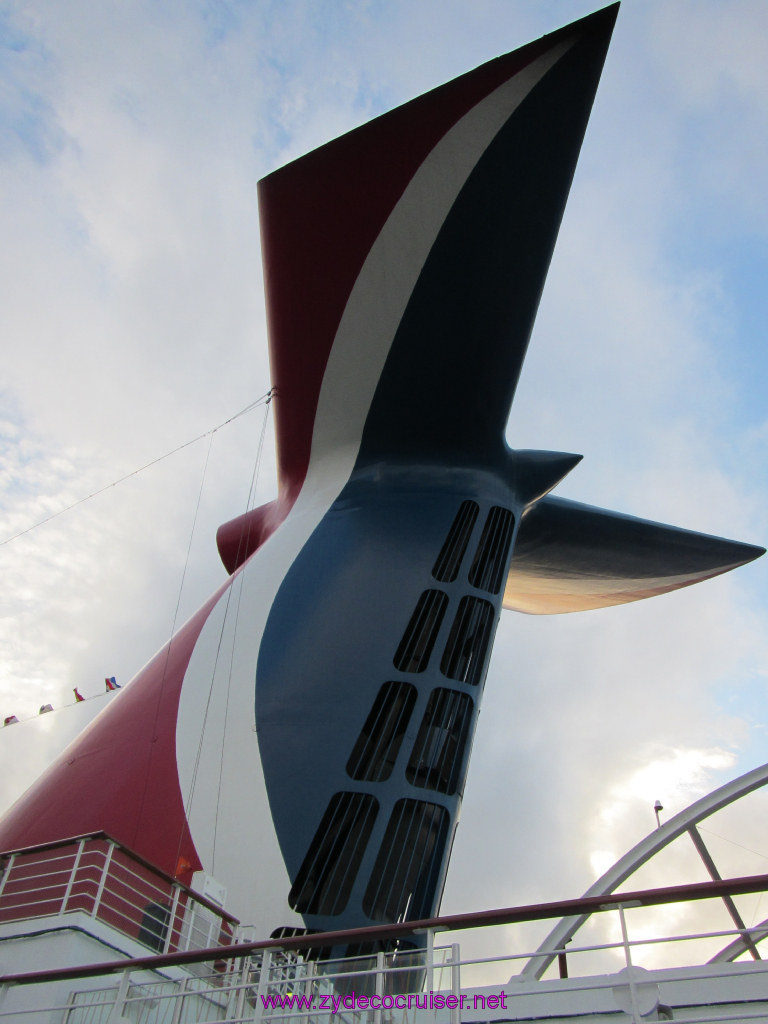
column 448, row 384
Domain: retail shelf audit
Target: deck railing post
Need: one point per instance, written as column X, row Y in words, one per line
column 70, row 1007
column 241, row 987
column 8, row 865
column 630, row 973
column 379, row 986
column 456, row 982
column 172, row 918
column 122, row 994
column 309, row 984
column 263, row 986
column 103, row 879
column 72, row 875
column 178, row 1002
column 430, row 954
column 562, row 963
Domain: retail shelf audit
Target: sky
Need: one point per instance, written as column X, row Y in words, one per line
column 132, row 136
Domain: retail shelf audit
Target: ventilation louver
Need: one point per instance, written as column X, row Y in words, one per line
column 407, row 869
column 438, row 753
column 419, row 638
column 490, row 563
column 326, row 876
column 468, row 641
column 446, row 567
column 377, row 746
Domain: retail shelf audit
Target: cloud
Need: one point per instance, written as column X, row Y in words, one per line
column 133, row 320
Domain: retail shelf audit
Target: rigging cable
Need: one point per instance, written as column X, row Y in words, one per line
column 198, row 755
column 173, row 630
column 54, row 515
column 264, row 399
column 249, row 503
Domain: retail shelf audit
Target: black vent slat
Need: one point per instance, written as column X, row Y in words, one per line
column 446, row 567
column 419, row 638
column 438, row 753
column 288, row 931
column 490, row 562
column 325, row 878
column 377, row 746
column 465, row 653
column 404, row 880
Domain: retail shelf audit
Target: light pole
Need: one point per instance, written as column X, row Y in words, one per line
column 657, row 808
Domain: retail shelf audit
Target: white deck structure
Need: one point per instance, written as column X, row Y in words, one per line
column 92, row 934
column 90, row 914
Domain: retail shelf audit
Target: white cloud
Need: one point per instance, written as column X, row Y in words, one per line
column 133, row 320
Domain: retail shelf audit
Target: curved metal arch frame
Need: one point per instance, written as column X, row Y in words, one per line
column 640, row 854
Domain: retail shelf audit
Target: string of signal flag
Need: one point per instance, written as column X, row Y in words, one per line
column 110, row 684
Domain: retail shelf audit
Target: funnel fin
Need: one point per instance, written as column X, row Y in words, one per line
column 405, row 260
column 536, row 473
column 571, row 557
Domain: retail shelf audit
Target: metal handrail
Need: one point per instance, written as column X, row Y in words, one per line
column 95, row 875
column 455, row 922
column 262, row 977
column 100, row 835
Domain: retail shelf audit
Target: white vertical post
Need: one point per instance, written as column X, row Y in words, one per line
column 119, row 1003
column 263, row 987
column 178, row 1002
column 630, row 970
column 379, row 986
column 71, row 998
column 209, row 934
column 7, row 872
column 242, row 986
column 172, row 919
column 73, row 872
column 430, row 959
column 456, row 982
column 309, row 983
column 103, row 879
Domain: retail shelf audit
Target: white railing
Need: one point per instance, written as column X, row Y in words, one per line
column 98, row 877
column 278, row 982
